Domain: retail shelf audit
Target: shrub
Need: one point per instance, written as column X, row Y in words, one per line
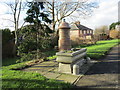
column 30, row 45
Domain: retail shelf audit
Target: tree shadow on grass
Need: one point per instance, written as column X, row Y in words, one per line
column 26, row 83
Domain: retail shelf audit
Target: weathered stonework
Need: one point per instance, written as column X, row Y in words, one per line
column 71, row 57
column 64, row 37
column 68, row 60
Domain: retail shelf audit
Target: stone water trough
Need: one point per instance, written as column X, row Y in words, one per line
column 70, row 62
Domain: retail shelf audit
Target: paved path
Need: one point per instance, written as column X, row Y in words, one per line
column 104, row 73
column 49, row 69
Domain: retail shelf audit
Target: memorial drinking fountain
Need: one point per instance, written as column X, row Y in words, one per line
column 69, row 60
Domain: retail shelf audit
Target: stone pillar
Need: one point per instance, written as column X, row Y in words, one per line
column 64, row 36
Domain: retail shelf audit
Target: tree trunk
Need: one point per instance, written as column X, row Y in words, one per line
column 53, row 15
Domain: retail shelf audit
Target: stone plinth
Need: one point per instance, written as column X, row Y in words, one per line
column 67, row 60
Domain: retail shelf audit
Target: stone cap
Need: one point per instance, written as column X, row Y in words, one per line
column 68, row 54
column 64, row 25
column 71, row 57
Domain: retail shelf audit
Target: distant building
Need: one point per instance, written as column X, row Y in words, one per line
column 115, row 33
column 80, row 31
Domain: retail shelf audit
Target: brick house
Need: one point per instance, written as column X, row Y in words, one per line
column 80, row 31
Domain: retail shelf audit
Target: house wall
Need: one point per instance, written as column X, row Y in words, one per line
column 74, row 33
column 84, row 34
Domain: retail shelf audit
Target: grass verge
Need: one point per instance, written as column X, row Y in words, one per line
column 101, row 48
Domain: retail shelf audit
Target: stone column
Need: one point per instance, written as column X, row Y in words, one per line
column 64, row 36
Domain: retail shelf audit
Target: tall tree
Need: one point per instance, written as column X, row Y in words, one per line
column 36, row 16
column 113, row 25
column 16, row 7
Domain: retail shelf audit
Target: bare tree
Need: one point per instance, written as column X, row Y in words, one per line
column 15, row 9
column 60, row 10
column 101, row 30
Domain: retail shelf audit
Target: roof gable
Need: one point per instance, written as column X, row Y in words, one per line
column 74, row 27
column 79, row 27
column 82, row 27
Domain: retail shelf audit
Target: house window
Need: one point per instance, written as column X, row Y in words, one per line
column 80, row 31
column 90, row 32
column 84, row 32
column 87, row 31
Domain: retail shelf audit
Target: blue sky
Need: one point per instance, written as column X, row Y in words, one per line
column 106, row 14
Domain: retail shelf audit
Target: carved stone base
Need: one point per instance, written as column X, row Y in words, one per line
column 65, row 68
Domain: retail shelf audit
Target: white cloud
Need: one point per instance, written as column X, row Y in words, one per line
column 4, row 16
column 6, row 20
column 106, row 14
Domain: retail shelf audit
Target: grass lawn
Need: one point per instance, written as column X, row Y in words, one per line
column 101, row 48
column 17, row 79
column 25, row 80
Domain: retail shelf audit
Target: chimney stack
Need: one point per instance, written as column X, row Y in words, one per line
column 77, row 23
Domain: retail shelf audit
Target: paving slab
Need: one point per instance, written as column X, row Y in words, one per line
column 67, row 78
column 52, row 75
